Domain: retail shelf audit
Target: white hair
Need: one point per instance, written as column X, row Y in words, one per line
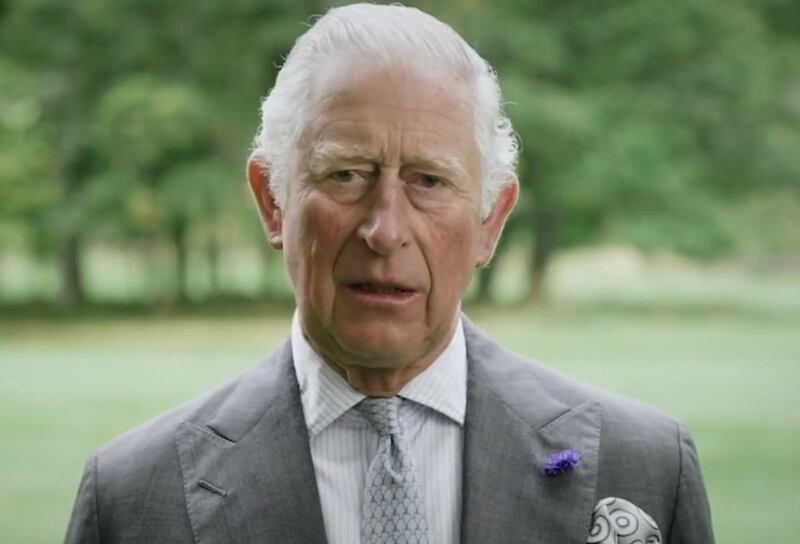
column 389, row 34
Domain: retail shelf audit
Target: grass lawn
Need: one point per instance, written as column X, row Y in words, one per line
column 68, row 387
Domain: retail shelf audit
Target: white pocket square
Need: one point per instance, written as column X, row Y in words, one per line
column 617, row 521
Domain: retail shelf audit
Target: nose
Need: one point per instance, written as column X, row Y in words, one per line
column 385, row 226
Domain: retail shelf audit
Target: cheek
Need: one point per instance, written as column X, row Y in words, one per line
column 452, row 255
column 317, row 236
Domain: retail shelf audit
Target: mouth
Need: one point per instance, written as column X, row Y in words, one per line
column 374, row 288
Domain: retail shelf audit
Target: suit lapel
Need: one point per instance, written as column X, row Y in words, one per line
column 514, row 422
column 247, row 473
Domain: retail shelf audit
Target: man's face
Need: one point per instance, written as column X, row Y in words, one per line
column 382, row 229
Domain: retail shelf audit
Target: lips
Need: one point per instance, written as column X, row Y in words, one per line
column 379, row 288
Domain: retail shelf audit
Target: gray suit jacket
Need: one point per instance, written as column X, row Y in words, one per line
column 235, row 466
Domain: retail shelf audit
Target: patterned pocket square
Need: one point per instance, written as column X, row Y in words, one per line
column 617, row 521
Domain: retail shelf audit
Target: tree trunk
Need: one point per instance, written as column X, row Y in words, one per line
column 212, row 259
column 72, row 292
column 545, row 234
column 180, row 247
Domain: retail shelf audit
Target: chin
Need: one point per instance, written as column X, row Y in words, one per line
column 379, row 346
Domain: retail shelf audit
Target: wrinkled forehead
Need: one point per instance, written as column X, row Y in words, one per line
column 342, row 77
column 349, row 95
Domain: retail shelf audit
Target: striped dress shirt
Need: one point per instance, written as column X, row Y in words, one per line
column 343, row 443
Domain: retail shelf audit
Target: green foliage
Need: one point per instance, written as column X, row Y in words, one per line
column 25, row 158
column 157, row 140
column 646, row 123
column 146, row 124
column 643, row 121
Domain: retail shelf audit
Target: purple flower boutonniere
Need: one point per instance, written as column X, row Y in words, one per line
column 561, row 462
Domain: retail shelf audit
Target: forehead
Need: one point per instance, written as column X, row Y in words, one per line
column 362, row 103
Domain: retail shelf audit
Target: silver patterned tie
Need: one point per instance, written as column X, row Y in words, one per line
column 394, row 507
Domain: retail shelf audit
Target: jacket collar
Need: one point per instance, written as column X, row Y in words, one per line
column 235, row 490
column 517, row 416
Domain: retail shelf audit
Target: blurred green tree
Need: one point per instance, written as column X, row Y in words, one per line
column 666, row 126
column 157, row 138
column 642, row 122
column 126, row 113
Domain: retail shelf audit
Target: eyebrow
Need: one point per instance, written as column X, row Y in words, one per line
column 325, row 153
column 443, row 163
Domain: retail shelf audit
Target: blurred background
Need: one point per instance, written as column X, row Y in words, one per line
column 655, row 250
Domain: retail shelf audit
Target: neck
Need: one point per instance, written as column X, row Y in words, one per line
column 380, row 382
column 387, row 379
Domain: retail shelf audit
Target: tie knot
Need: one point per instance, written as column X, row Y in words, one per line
column 382, row 413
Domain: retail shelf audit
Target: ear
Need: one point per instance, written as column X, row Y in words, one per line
column 271, row 216
column 492, row 226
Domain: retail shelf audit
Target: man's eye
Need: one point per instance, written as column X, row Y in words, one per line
column 344, row 176
column 429, row 182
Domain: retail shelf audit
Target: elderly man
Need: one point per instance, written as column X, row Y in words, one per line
column 385, row 170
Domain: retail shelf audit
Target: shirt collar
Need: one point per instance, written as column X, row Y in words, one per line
column 325, row 395
column 443, row 385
